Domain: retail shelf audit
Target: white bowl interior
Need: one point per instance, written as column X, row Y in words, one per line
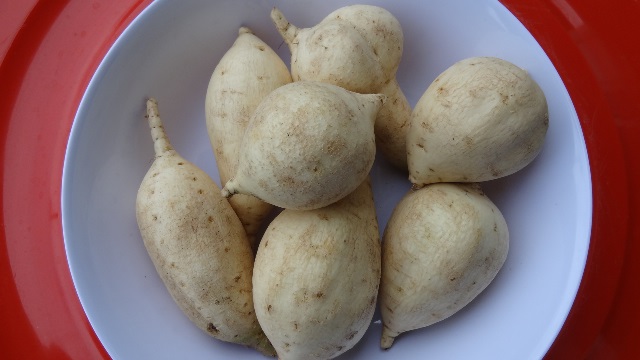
column 169, row 52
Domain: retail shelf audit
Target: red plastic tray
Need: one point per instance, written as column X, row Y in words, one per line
column 50, row 49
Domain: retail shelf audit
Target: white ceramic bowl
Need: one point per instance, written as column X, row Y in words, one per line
column 169, row 52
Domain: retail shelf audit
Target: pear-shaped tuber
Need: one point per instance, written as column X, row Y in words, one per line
column 442, row 246
column 308, row 145
column 357, row 47
column 481, row 119
column 316, row 277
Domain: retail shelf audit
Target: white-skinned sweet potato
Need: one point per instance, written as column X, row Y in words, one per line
column 246, row 73
column 442, row 246
column 316, row 277
column 197, row 244
column 481, row 119
column 308, row 145
column 359, row 48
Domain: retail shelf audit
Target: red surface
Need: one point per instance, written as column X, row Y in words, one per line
column 50, row 49
column 595, row 51
column 56, row 47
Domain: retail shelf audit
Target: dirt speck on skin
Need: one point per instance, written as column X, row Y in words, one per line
column 263, row 184
column 287, row 181
column 335, row 146
column 495, row 172
column 426, row 126
column 211, row 328
column 468, row 141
